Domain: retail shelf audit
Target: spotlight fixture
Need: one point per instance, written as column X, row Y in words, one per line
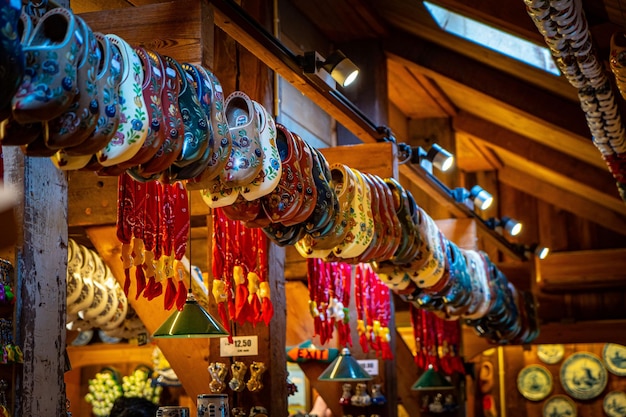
column 431, row 380
column 510, row 225
column 477, row 195
column 540, row 252
column 344, row 369
column 436, row 156
column 340, row 67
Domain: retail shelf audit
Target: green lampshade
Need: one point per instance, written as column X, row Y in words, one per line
column 191, row 321
column 344, row 368
column 431, row 380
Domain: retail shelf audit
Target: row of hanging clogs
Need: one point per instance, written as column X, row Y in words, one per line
column 91, row 101
column 462, row 284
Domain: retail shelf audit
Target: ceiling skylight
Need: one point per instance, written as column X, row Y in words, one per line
column 493, row 38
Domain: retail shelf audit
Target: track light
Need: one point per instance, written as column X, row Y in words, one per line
column 340, row 67
column 506, row 224
column 540, row 252
column 436, row 156
column 477, row 195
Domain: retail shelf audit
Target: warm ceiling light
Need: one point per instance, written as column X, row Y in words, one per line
column 436, row 156
column 511, row 226
column 344, row 369
column 481, row 198
column 340, row 67
column 540, row 252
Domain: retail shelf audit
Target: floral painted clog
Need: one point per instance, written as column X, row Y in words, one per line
column 218, row 194
column 66, row 162
column 309, row 192
column 269, row 176
column 75, row 125
column 222, row 142
column 108, row 78
column 344, row 186
column 284, row 235
column 12, row 61
column 320, row 221
column 362, row 231
column 390, row 240
column 202, row 87
column 242, row 209
column 195, row 124
column 245, row 160
column 375, row 245
column 52, row 54
column 151, row 92
column 172, row 123
column 133, row 127
column 284, row 202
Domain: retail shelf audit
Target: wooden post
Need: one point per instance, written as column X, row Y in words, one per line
column 41, row 270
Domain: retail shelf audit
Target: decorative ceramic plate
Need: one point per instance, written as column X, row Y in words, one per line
column 550, row 354
column 559, row 406
column 534, row 382
column 614, row 356
column 83, row 338
column 615, row 404
column 583, row 376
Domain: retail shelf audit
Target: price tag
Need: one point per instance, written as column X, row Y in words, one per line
column 370, row 366
column 241, row 346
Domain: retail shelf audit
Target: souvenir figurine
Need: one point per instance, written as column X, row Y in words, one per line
column 346, row 395
column 256, row 372
column 238, row 370
column 218, row 371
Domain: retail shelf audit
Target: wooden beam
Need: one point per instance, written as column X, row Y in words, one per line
column 583, row 270
column 481, row 89
column 172, row 28
column 407, row 373
column 374, row 158
column 115, row 353
column 40, row 284
column 564, row 199
column 535, row 153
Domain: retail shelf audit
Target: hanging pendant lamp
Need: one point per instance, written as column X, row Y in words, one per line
column 431, row 380
column 193, row 320
column 344, row 369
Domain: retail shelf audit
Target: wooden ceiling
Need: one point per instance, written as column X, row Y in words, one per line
column 520, row 123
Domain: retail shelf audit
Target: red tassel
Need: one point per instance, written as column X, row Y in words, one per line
column 141, row 281
column 170, row 294
column 255, row 310
column 267, row 309
column 126, row 281
column 181, row 295
column 242, row 307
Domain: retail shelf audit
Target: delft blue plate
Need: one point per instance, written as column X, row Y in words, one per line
column 534, row 382
column 583, row 376
column 615, row 404
column 559, row 406
column 550, row 354
column 614, row 356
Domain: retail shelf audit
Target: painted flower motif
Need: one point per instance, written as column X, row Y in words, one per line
column 244, row 141
column 50, row 67
column 258, row 152
column 155, row 125
column 185, row 114
column 136, row 124
column 173, row 133
column 274, row 163
column 118, row 139
column 110, row 110
column 93, row 106
column 43, row 92
column 67, row 83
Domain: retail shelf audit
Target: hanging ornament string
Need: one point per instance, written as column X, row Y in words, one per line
column 220, row 264
column 384, row 317
column 182, row 225
column 124, row 230
column 416, row 324
column 152, row 240
column 312, row 284
column 138, row 234
column 267, row 308
column 360, row 301
column 167, row 213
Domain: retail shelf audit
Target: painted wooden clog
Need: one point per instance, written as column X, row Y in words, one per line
column 49, row 83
